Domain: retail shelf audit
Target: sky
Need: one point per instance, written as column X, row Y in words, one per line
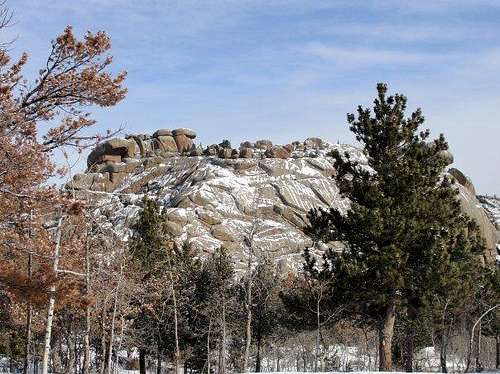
column 288, row 70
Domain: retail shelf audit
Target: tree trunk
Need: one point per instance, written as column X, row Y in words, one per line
column 76, row 362
column 158, row 360
column 103, row 339
column 497, row 351
column 278, row 368
column 248, row 331
column 142, row 361
column 29, row 317
column 408, row 352
column 113, row 318
column 443, row 351
column 120, row 343
column 222, row 368
column 471, row 341
column 176, row 331
column 86, row 338
column 385, row 338
column 318, row 332
column 208, row 344
column 52, row 300
column 257, row 359
column 478, row 350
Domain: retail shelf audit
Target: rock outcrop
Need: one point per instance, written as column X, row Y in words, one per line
column 491, row 205
column 472, row 206
column 216, row 196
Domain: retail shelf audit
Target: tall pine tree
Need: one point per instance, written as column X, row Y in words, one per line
column 404, row 230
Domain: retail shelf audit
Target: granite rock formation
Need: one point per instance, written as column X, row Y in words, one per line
column 219, row 195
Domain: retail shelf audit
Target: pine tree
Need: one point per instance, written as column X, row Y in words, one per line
column 169, row 276
column 212, row 301
column 404, row 232
column 266, row 305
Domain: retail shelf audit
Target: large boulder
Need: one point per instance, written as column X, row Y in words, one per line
column 277, row 152
column 186, row 132
column 116, row 147
column 225, row 153
column 472, row 207
column 313, row 142
column 464, row 180
column 167, row 143
column 162, row 132
column 246, row 153
column 183, row 142
column 263, row 144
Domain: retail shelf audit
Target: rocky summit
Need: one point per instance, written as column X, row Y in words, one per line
column 226, row 196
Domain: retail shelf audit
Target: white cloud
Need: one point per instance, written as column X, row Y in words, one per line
column 355, row 57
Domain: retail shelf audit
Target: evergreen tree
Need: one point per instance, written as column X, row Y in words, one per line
column 168, row 275
column 266, row 305
column 147, row 249
column 213, row 300
column 404, row 232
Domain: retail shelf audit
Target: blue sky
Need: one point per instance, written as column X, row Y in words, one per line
column 287, row 70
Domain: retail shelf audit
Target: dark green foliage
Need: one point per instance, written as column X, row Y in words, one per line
column 164, row 268
column 405, row 236
column 149, row 237
column 214, row 290
column 265, row 299
column 267, row 308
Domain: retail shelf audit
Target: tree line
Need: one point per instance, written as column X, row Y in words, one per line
column 402, row 272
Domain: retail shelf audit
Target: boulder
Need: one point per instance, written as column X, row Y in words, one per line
column 471, row 205
column 225, row 144
column 463, row 180
column 263, row 144
column 246, row 153
column 196, row 151
column 162, row 132
column 234, row 154
column 106, row 159
column 115, row 147
column 116, row 178
column 120, row 167
column 277, row 152
column 209, row 217
column 186, row 132
column 89, row 181
column 183, row 142
column 247, row 144
column 222, row 233
column 211, row 150
column 447, row 156
column 225, row 152
column 168, row 143
column 144, row 144
column 173, row 228
column 313, row 143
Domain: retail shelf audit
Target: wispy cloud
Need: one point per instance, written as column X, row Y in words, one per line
column 355, row 57
column 290, row 68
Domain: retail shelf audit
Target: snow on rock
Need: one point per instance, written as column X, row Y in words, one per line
column 211, row 202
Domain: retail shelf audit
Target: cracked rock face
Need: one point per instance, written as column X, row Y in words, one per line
column 223, row 199
column 211, row 202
